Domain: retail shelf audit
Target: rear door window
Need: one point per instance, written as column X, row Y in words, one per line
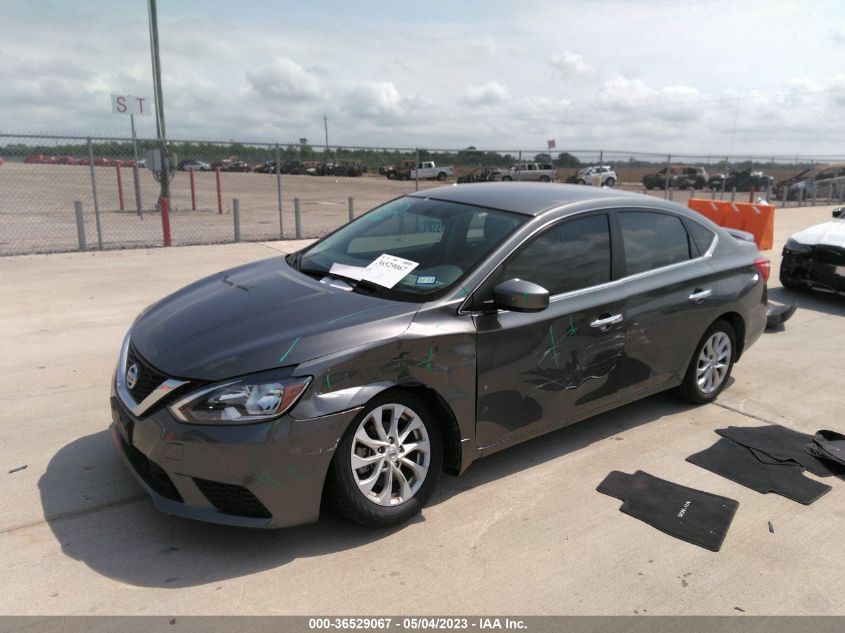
column 652, row 240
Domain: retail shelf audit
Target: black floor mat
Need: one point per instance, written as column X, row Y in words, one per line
column 691, row 515
column 737, row 463
column 783, row 444
column 828, row 445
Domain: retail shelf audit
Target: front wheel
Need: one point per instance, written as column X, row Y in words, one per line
column 387, row 465
column 545, row 179
column 610, row 182
column 711, row 364
column 506, row 178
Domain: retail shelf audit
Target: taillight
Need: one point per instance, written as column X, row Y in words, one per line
column 764, row 267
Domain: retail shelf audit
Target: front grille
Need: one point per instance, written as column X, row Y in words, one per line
column 232, row 499
column 148, row 376
column 151, row 473
column 829, row 255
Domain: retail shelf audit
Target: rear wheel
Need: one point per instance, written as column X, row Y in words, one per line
column 506, row 178
column 441, row 176
column 711, row 364
column 610, row 182
column 387, row 465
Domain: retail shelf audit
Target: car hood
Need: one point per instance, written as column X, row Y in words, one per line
column 828, row 234
column 256, row 317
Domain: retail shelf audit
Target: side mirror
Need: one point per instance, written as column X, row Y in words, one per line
column 519, row 295
column 839, row 212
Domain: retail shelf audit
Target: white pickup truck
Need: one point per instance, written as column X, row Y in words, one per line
column 542, row 172
column 428, row 170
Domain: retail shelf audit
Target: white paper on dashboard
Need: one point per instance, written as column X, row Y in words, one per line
column 351, row 272
column 388, row 270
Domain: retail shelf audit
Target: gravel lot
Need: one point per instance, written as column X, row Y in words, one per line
column 37, row 206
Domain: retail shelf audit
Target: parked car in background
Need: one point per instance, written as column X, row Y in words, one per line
column 679, row 176
column 822, row 181
column 536, row 172
column 695, row 177
column 481, row 174
column 41, row 159
column 399, row 171
column 605, row 172
column 193, row 165
column 815, row 257
column 745, row 179
column 231, row 165
column 427, row 170
column 444, row 325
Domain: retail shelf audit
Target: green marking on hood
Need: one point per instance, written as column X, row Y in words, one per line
column 292, row 345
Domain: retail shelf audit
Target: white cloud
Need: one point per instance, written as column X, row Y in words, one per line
column 570, row 64
column 490, row 93
column 284, row 79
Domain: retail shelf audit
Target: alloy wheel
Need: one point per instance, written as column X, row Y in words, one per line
column 713, row 362
column 391, row 454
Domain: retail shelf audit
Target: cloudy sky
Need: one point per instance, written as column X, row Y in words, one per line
column 712, row 76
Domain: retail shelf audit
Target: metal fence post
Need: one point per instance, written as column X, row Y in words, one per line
column 668, row 175
column 236, row 215
column 297, row 217
column 712, row 194
column 800, row 197
column 841, row 192
column 219, row 193
column 279, row 191
column 94, row 191
column 733, row 194
column 783, row 197
column 725, row 179
column 351, row 209
column 815, row 193
column 80, row 225
column 137, row 176
column 417, row 171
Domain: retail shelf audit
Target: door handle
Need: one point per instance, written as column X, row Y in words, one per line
column 700, row 295
column 606, row 322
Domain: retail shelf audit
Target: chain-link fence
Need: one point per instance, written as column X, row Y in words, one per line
column 76, row 193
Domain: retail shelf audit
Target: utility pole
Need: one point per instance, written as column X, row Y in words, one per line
column 326, row 128
column 164, row 175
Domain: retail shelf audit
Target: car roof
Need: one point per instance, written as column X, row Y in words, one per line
column 530, row 198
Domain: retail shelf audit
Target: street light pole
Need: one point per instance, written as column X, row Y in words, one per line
column 164, row 174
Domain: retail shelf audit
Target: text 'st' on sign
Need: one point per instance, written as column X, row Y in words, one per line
column 129, row 104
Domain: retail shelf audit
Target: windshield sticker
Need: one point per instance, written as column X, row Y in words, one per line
column 426, row 280
column 388, row 270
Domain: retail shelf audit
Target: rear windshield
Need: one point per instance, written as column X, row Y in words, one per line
column 443, row 241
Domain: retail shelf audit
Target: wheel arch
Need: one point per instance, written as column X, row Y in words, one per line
column 738, row 324
column 445, row 418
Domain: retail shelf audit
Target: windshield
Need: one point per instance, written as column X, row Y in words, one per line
column 442, row 241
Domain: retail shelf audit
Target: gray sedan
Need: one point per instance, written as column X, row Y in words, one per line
column 438, row 328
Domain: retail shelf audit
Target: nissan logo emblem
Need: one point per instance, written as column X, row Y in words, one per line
column 132, row 376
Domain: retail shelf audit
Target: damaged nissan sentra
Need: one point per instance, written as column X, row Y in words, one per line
column 438, row 328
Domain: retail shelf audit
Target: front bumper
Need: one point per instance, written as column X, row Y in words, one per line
column 819, row 268
column 266, row 475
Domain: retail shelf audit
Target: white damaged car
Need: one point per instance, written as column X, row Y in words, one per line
column 815, row 257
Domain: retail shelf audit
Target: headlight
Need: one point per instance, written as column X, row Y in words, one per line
column 241, row 401
column 797, row 247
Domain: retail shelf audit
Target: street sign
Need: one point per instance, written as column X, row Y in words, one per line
column 129, row 104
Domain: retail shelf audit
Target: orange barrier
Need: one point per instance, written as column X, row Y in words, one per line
column 757, row 219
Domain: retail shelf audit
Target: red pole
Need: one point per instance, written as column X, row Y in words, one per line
column 193, row 192
column 219, row 195
column 119, row 187
column 165, row 219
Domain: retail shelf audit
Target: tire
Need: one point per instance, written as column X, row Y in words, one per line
column 506, row 178
column 441, row 176
column 790, row 283
column 361, row 494
column 703, row 382
column 581, row 181
column 545, row 179
column 610, row 182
